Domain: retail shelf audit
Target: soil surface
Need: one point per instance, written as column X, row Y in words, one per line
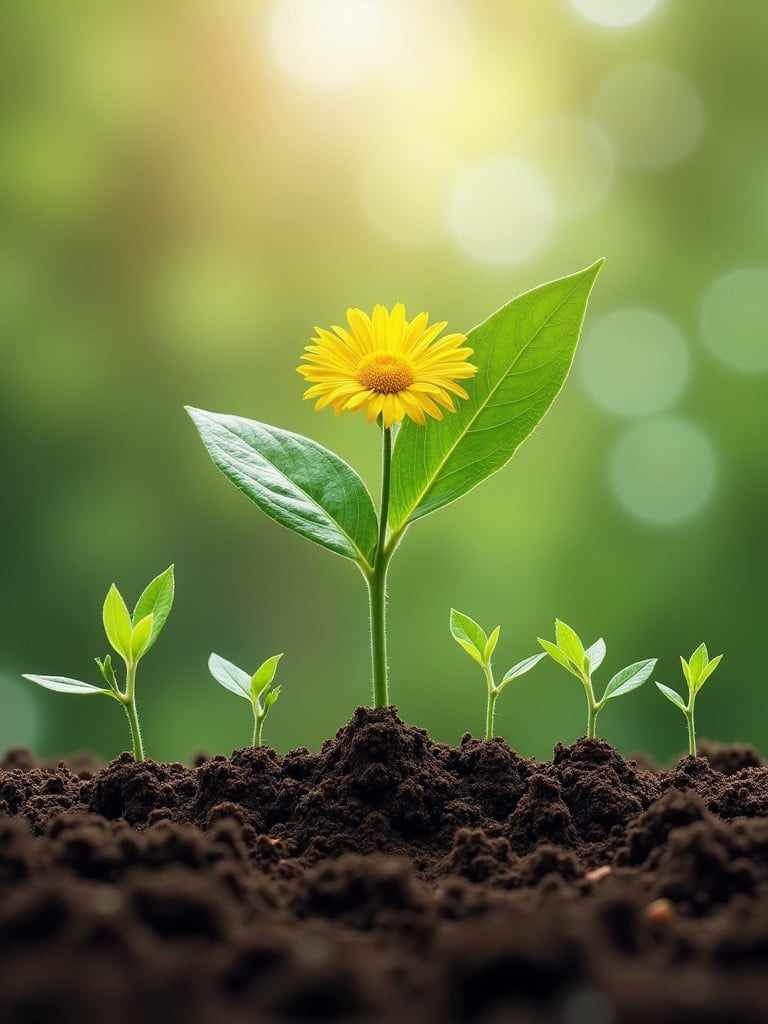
column 386, row 879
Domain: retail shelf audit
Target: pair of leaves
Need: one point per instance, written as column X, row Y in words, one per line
column 130, row 635
column 696, row 672
column 569, row 652
column 524, row 352
column 251, row 688
column 480, row 647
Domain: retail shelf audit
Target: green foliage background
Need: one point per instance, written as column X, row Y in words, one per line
column 180, row 207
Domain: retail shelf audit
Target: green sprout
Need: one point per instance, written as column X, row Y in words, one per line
column 569, row 652
column 696, row 671
column 256, row 689
column 480, row 648
column 131, row 635
column 445, row 424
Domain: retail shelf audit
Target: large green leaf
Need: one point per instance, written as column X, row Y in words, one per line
column 296, row 481
column 524, row 352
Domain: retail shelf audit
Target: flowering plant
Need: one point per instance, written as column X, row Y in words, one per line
column 434, row 449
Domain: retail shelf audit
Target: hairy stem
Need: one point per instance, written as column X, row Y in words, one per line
column 691, row 733
column 258, row 725
column 129, row 702
column 493, row 693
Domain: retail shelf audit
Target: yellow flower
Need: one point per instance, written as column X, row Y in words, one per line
column 387, row 365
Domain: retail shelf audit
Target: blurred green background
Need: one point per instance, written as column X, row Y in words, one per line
column 188, row 187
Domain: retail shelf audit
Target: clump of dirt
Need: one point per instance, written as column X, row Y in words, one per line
column 386, row 878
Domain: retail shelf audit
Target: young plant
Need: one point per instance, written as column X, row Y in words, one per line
column 569, row 652
column 434, row 449
column 131, row 636
column 256, row 689
column 696, row 671
column 480, row 648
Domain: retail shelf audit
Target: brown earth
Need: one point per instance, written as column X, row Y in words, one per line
column 386, row 878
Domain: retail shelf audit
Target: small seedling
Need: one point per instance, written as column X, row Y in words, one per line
column 131, row 636
column 480, row 648
column 569, row 652
column 696, row 672
column 256, row 689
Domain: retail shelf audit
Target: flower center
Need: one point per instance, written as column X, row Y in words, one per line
column 385, row 373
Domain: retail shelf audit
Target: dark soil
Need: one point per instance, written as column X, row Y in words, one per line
column 386, row 879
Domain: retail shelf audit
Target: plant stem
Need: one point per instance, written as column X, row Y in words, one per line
column 377, row 583
column 129, row 702
column 258, row 725
column 593, row 707
column 493, row 693
column 691, row 733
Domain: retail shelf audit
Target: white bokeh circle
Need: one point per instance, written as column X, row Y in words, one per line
column 502, row 211
column 575, row 157
column 663, row 470
column 734, row 319
column 634, row 362
column 614, row 13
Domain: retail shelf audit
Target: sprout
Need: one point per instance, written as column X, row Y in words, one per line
column 131, row 635
column 256, row 689
column 696, row 672
column 480, row 648
column 569, row 652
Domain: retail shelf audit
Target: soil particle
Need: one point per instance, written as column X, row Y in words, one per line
column 385, row 879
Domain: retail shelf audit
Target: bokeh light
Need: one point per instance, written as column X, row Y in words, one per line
column 663, row 470
column 652, row 114
column 734, row 319
column 502, row 212
column 614, row 13
column 634, row 362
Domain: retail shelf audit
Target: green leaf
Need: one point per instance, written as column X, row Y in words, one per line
column 469, row 635
column 555, row 653
column 271, row 698
column 106, row 669
column 686, row 670
column 63, row 685
column 295, row 481
column 157, row 601
column 596, row 654
column 570, row 644
column 230, row 676
column 490, row 647
column 629, row 678
column 117, row 623
column 707, row 671
column 141, row 636
column 524, row 352
column 263, row 676
column 673, row 697
column 521, row 668
column 697, row 664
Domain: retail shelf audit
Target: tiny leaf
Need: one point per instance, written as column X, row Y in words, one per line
column 140, row 636
column 596, row 654
column 263, row 676
column 106, row 669
column 569, row 642
column 521, row 668
column 117, row 623
column 63, row 685
column 157, row 601
column 554, row 652
column 673, row 697
column 230, row 676
column 465, row 631
column 629, row 678
column 686, row 670
column 271, row 698
column 707, row 671
column 490, row 647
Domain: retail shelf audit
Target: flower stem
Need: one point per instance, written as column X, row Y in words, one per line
column 129, row 702
column 377, row 583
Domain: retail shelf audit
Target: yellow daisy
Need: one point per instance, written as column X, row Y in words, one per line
column 387, row 365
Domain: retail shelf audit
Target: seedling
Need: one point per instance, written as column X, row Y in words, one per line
column 480, row 648
column 439, row 439
column 696, row 671
column 569, row 652
column 131, row 636
column 256, row 689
